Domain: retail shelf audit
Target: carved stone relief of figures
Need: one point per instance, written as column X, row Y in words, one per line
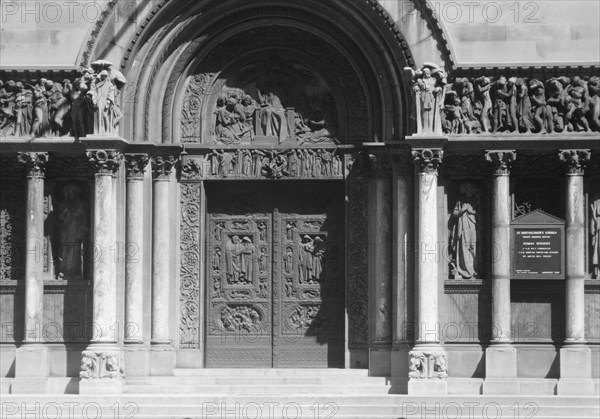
column 271, row 164
column 426, row 365
column 310, row 259
column 595, row 232
column 240, row 257
column 428, row 85
column 465, row 235
column 88, row 104
column 240, row 318
column 283, row 101
column 521, row 105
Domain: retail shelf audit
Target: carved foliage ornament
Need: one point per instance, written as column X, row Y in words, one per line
column 102, row 365
column 426, row 365
column 35, row 164
column 428, row 160
column 105, row 162
column 575, row 161
column 135, row 165
column 501, row 161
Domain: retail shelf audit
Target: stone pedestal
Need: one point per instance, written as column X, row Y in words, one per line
column 102, row 368
column 575, row 371
column 162, row 359
column 137, row 359
column 32, row 368
column 501, row 370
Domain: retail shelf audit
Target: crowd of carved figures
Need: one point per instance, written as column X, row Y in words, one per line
column 89, row 104
column 595, row 232
column 505, row 104
column 254, row 163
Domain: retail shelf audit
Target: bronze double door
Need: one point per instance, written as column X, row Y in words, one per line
column 275, row 276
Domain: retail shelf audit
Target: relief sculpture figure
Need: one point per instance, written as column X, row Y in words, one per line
column 595, row 230
column 465, row 237
column 310, row 258
column 74, row 226
column 233, row 258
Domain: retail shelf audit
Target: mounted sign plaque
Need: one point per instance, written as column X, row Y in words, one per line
column 538, row 247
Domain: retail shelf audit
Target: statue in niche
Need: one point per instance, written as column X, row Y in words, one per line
column 465, row 237
column 247, row 259
column 310, row 258
column 288, row 260
column 233, row 256
column 262, row 260
column 73, row 219
column 216, row 262
column 290, row 227
column 595, row 231
column 262, row 228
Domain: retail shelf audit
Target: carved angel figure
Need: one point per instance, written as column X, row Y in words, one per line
column 465, row 234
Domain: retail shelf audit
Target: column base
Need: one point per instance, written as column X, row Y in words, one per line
column 427, row 387
column 501, row 362
column 29, row 385
column 137, row 359
column 102, row 370
column 162, row 359
column 32, row 360
column 576, row 371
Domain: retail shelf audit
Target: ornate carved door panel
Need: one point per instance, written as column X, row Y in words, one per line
column 275, row 275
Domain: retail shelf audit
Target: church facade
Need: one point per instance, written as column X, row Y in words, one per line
column 298, row 184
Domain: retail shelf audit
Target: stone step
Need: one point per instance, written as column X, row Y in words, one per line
column 270, row 372
column 243, row 389
column 252, row 381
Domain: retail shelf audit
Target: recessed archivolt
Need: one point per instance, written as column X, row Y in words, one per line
column 173, row 32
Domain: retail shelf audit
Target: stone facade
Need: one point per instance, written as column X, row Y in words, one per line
column 254, row 184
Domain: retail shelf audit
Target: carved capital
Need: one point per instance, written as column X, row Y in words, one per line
column 192, row 169
column 501, row 160
column 135, row 164
column 35, row 164
column 97, row 365
column 575, row 161
column 428, row 160
column 162, row 167
column 105, row 162
column 426, row 365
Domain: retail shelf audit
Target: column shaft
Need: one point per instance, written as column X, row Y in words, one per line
column 160, row 263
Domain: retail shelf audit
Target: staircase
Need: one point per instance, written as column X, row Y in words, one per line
column 289, row 393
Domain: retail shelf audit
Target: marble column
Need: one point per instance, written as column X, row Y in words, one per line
column 102, row 362
column 380, row 270
column 575, row 355
column 427, row 360
column 501, row 355
column 162, row 353
column 32, row 367
column 137, row 357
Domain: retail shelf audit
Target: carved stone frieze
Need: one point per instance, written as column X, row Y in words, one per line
column 428, row 160
column 265, row 164
column 12, row 230
column 102, row 365
column 501, row 161
column 575, row 161
column 516, row 105
column 162, row 167
column 358, row 257
column 35, row 164
column 189, row 293
column 135, row 166
column 105, row 162
column 427, row 365
column 198, row 87
column 89, row 104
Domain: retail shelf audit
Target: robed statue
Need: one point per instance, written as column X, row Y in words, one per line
column 465, row 240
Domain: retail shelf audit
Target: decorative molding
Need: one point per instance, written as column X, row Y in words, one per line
column 501, row 161
column 94, row 34
column 358, row 260
column 105, row 162
column 35, row 164
column 428, row 365
column 96, row 365
column 575, row 161
column 135, row 166
column 162, row 167
column 189, row 293
column 428, row 160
